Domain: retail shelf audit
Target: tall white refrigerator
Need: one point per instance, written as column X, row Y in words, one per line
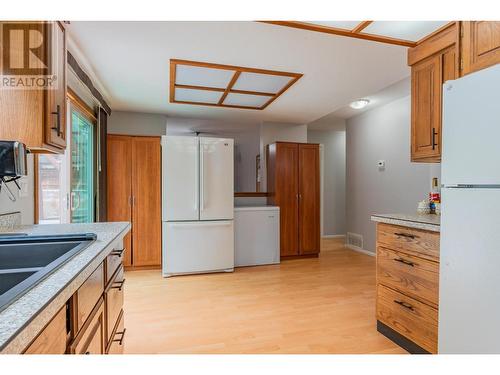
column 198, row 205
column 469, row 290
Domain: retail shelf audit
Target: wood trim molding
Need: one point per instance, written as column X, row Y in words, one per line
column 250, row 194
column 361, row 26
column 81, row 105
column 294, row 77
column 344, row 32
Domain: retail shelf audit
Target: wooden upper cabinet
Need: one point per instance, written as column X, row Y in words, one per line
column 480, row 45
column 309, row 199
column 36, row 117
column 433, row 62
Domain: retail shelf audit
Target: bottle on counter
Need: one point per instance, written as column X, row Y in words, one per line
column 434, row 195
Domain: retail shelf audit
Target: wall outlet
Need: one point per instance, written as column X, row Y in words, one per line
column 23, row 183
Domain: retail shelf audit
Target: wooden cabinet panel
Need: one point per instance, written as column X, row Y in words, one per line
column 55, row 100
column 87, row 296
column 426, row 108
column 27, row 115
column 119, row 194
column 285, row 193
column 480, row 45
column 117, row 342
column 52, row 340
column 408, row 240
column 309, row 199
column 90, row 340
column 414, row 276
column 114, row 302
column 146, row 174
column 113, row 262
column 409, row 317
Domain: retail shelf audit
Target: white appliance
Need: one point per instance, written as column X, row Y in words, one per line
column 256, row 235
column 469, row 289
column 198, row 205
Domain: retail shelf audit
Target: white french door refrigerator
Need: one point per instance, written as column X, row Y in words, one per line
column 469, row 289
column 198, row 205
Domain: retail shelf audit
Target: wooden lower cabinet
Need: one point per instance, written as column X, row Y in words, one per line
column 91, row 339
column 134, row 194
column 408, row 286
column 92, row 320
column 53, row 338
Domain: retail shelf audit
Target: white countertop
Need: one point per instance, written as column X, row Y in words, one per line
column 22, row 320
column 429, row 222
column 256, row 208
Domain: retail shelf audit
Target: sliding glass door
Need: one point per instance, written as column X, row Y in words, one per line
column 82, row 168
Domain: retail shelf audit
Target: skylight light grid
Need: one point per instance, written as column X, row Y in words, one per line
column 201, row 83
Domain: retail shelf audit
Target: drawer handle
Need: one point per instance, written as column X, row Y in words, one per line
column 120, row 340
column 412, row 236
column 118, row 285
column 404, row 261
column 118, row 252
column 406, row 305
column 87, row 353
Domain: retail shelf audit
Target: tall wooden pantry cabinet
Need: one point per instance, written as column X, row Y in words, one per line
column 293, row 184
column 134, row 195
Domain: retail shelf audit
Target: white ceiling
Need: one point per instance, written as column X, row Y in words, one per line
column 131, row 60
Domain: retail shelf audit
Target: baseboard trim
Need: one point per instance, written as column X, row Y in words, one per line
column 333, row 236
column 399, row 339
column 359, row 250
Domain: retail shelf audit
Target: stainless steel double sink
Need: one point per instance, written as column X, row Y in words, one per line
column 26, row 260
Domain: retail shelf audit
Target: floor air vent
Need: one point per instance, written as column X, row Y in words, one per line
column 354, row 239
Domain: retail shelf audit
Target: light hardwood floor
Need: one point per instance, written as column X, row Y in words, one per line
column 317, row 305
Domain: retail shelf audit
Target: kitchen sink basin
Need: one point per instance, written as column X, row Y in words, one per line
column 26, row 260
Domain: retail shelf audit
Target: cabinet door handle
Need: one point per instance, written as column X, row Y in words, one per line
column 118, row 285
column 434, row 133
column 412, row 236
column 406, row 305
column 57, row 128
column 118, row 252
column 404, row 261
column 122, row 335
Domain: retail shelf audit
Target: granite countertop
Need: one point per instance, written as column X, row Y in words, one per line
column 429, row 222
column 22, row 320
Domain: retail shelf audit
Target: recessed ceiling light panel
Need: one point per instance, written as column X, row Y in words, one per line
column 359, row 104
column 193, row 82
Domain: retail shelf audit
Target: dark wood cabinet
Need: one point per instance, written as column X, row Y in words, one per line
column 293, row 185
column 134, row 194
column 37, row 117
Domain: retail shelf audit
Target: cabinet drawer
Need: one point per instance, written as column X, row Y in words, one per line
column 412, row 319
column 114, row 301
column 420, row 242
column 408, row 274
column 113, row 261
column 117, row 341
column 90, row 340
column 52, row 340
column 87, row 296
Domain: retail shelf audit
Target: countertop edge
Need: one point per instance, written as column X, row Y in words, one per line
column 407, row 223
column 25, row 334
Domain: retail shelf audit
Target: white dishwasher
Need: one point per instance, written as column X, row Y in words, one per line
column 256, row 235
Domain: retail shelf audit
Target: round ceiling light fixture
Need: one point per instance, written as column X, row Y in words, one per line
column 360, row 103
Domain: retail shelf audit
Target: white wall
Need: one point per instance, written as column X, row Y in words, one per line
column 135, row 123
column 271, row 132
column 382, row 134
column 334, row 181
column 25, row 204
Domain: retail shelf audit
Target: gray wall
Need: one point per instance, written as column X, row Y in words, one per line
column 135, row 123
column 24, row 203
column 334, row 172
column 382, row 134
